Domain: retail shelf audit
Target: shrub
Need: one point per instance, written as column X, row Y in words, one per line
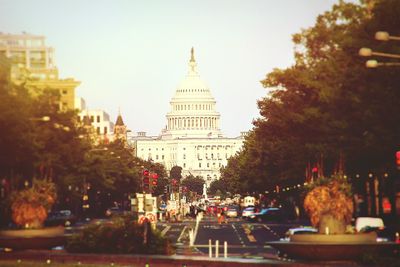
column 29, row 206
column 329, row 204
column 121, row 235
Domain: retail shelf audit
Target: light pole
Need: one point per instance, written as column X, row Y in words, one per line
column 367, row 52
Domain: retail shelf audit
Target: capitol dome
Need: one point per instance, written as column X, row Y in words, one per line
column 193, row 108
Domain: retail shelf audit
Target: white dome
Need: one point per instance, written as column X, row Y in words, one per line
column 193, row 112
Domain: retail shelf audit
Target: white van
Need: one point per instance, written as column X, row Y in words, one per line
column 249, row 201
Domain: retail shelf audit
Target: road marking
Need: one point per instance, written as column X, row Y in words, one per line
column 247, row 231
column 181, row 235
column 237, row 233
column 165, row 230
column 269, row 229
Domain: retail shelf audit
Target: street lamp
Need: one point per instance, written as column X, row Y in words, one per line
column 44, row 118
column 374, row 64
column 384, row 36
column 367, row 52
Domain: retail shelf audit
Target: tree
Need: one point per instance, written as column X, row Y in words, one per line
column 194, row 184
column 176, row 173
column 218, row 187
column 327, row 105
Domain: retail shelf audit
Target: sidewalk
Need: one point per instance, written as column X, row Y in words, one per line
column 150, row 260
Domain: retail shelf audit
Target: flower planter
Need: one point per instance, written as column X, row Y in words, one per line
column 45, row 238
column 335, row 239
column 320, row 247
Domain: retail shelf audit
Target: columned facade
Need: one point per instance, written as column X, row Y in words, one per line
column 192, row 138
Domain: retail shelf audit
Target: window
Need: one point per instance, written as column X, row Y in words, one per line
column 199, row 164
column 92, row 118
column 184, row 156
column 156, row 157
column 105, row 131
column 98, row 118
column 208, row 165
column 64, row 92
column 184, row 165
column 98, row 130
column 162, row 156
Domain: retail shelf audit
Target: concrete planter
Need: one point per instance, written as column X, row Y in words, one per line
column 45, row 238
column 319, row 247
column 335, row 239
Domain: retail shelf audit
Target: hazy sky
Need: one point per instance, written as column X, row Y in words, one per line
column 132, row 54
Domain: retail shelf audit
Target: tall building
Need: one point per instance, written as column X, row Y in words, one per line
column 32, row 62
column 192, row 138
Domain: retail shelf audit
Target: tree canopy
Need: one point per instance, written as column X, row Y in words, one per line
column 328, row 105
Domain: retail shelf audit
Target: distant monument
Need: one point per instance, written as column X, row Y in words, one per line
column 205, row 191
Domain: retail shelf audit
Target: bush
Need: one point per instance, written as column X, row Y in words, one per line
column 122, row 235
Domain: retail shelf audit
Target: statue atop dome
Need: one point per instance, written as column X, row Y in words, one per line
column 192, row 55
column 192, row 63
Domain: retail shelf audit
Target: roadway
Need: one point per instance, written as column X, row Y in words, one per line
column 244, row 239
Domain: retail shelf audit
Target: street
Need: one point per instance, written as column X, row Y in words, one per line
column 244, row 239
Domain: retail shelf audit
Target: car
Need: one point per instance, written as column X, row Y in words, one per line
column 232, row 213
column 299, row 231
column 267, row 214
column 115, row 211
column 249, row 211
column 212, row 209
column 60, row 217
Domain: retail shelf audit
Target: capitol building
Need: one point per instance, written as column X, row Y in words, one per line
column 192, row 138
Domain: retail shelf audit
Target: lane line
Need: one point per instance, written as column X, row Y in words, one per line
column 165, row 230
column 181, row 235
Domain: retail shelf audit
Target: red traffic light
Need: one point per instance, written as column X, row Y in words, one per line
column 154, row 182
column 398, row 158
column 146, row 172
column 155, row 176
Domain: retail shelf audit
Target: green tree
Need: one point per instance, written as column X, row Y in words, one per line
column 176, row 173
column 327, row 104
column 194, row 184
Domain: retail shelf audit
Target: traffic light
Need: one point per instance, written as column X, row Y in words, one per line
column 398, row 159
column 154, row 179
column 146, row 180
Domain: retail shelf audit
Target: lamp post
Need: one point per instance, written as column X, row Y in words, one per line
column 366, row 52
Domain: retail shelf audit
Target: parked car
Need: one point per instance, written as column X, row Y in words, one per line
column 299, row 231
column 247, row 212
column 232, row 213
column 60, row 217
column 267, row 214
column 115, row 211
column 212, row 209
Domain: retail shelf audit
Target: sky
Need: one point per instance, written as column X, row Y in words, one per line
column 131, row 55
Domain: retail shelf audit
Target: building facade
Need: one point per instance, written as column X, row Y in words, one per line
column 192, row 138
column 32, row 63
column 99, row 120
